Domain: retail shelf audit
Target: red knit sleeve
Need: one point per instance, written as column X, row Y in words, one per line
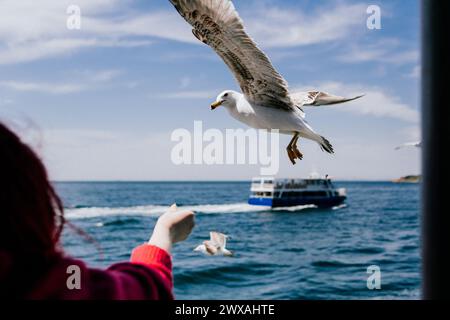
column 148, row 276
column 155, row 257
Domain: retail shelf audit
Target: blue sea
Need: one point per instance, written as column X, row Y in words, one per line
column 300, row 253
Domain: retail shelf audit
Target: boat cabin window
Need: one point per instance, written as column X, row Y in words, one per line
column 292, row 184
column 305, row 194
column 262, row 194
column 262, row 181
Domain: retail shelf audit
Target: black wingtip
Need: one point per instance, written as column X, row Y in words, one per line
column 326, row 145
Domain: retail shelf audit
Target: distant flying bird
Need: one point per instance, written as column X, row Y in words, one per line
column 215, row 246
column 266, row 102
column 417, row 144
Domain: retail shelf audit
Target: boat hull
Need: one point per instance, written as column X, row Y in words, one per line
column 290, row 202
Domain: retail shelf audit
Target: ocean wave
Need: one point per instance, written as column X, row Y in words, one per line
column 155, row 210
column 118, row 222
column 229, row 272
column 366, row 250
column 335, row 264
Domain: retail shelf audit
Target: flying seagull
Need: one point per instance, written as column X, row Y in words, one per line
column 215, row 246
column 417, row 144
column 265, row 101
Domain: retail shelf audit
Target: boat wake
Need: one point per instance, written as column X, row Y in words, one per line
column 341, row 206
column 295, row 208
column 155, row 211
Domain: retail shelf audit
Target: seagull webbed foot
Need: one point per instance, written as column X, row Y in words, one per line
column 292, row 149
column 291, row 154
column 298, row 153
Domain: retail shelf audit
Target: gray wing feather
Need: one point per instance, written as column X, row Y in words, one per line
column 218, row 238
column 217, row 24
column 319, row 98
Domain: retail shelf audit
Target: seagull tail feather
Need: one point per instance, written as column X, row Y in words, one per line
column 326, row 145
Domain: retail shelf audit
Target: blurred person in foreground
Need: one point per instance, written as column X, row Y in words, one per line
column 32, row 262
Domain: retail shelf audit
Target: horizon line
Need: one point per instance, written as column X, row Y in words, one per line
column 201, row 180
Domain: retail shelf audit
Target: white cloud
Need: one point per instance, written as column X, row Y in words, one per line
column 42, row 87
column 33, row 50
column 31, row 31
column 376, row 101
column 89, row 80
column 275, row 27
column 162, row 24
column 386, row 51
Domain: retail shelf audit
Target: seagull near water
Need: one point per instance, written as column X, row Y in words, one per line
column 215, row 246
column 265, row 101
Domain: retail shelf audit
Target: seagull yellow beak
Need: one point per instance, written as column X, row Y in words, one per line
column 216, row 104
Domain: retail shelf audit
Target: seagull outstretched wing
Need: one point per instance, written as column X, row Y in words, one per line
column 219, row 239
column 217, row 24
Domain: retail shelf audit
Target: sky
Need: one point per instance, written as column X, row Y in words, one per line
column 101, row 102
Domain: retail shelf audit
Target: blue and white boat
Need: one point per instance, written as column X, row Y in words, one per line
column 314, row 190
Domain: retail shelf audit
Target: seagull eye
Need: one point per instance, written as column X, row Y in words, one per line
column 225, row 95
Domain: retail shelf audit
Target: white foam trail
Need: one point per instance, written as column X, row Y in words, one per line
column 341, row 206
column 155, row 211
column 296, row 208
column 92, row 212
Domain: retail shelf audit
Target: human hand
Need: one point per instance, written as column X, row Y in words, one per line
column 172, row 227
